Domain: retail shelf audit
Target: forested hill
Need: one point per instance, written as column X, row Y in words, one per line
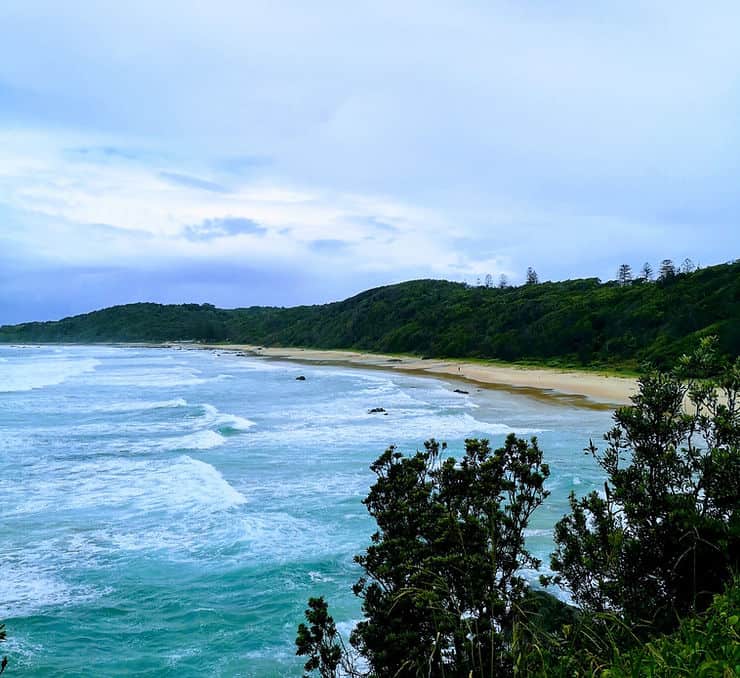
column 578, row 322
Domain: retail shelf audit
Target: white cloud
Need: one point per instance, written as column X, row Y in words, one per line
column 92, row 212
column 486, row 136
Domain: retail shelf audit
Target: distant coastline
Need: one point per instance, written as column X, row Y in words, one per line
column 568, row 325
column 573, row 387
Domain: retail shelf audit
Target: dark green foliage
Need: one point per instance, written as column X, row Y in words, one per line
column 575, row 322
column 665, row 535
column 4, row 661
column 441, row 588
column 319, row 641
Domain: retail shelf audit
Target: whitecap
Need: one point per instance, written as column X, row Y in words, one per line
column 317, row 577
column 140, row 405
column 212, row 416
column 536, row 532
column 150, row 378
column 198, row 440
column 183, row 425
column 179, row 486
column 277, row 537
column 400, row 426
column 39, row 372
column 26, row 588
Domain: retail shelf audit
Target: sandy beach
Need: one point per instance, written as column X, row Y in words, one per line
column 588, row 389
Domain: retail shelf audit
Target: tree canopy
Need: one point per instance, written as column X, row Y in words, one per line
column 664, row 535
column 574, row 322
column 441, row 580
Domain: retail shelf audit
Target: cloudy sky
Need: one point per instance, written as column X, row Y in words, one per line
column 241, row 153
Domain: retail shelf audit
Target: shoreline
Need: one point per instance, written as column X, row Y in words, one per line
column 569, row 387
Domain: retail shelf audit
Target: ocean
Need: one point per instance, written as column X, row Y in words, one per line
column 169, row 512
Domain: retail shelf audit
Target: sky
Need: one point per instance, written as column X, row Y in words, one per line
column 242, row 153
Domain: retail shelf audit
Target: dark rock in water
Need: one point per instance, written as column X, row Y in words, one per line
column 459, row 390
column 300, row 378
column 377, row 410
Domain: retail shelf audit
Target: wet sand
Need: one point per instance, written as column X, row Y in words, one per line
column 590, row 389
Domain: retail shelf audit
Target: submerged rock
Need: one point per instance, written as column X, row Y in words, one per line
column 300, row 378
column 459, row 390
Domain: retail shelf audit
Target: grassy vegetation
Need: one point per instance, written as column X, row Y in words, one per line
column 704, row 645
column 574, row 323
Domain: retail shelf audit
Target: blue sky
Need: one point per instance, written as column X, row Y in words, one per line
column 246, row 153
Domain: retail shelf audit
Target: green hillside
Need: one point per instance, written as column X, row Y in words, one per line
column 577, row 322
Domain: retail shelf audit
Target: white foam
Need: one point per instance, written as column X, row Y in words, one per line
column 41, row 371
column 154, row 376
column 256, row 364
column 317, row 578
column 213, row 417
column 174, row 658
column 139, row 486
column 536, row 532
column 26, row 588
column 187, row 485
column 179, row 509
column 399, row 426
column 198, row 440
column 278, row 537
column 201, row 431
column 22, row 592
column 336, row 484
column 139, row 405
column 146, row 377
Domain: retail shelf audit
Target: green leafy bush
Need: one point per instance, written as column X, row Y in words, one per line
column 441, row 585
column 664, row 535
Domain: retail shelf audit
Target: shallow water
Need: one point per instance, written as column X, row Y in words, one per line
column 169, row 512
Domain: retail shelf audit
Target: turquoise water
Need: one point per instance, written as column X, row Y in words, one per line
column 169, row 512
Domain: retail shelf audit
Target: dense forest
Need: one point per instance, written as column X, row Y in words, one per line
column 573, row 322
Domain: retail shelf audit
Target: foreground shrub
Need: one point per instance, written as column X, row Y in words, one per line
column 441, row 588
column 664, row 536
column 704, row 646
